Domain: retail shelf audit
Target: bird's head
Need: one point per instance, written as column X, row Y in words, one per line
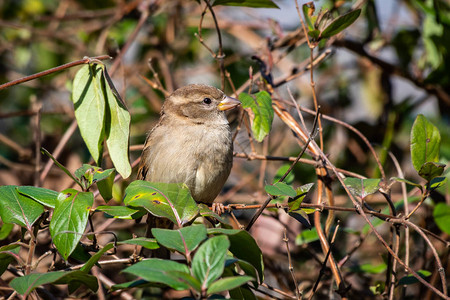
column 199, row 103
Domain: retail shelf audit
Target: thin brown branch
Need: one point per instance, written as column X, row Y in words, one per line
column 54, row 70
column 291, row 268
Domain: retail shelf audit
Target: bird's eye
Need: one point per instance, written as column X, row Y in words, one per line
column 207, row 101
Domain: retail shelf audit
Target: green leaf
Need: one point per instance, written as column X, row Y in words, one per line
column 301, row 192
column 369, row 268
column 94, row 259
column 141, row 241
column 188, row 279
column 206, row 212
column 119, row 212
column 306, row 237
column 340, row 24
column 244, row 247
column 80, row 253
column 249, row 270
column 70, row 219
column 315, row 34
column 410, row 279
column 425, row 141
column 117, row 128
column 228, row 283
column 89, row 102
column 209, row 260
column 407, row 182
column 43, row 196
column 280, row 189
column 308, row 10
column 132, row 284
column 242, row 293
column 105, row 186
column 169, row 200
column 281, row 171
column 7, row 254
column 362, row 187
column 5, row 230
column 159, row 271
column 183, row 240
column 301, row 216
column 437, row 182
column 89, row 175
column 247, row 3
column 260, row 112
column 18, row 209
column 26, row 284
column 441, row 215
column 430, row 170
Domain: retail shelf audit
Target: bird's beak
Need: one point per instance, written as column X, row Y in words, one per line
column 228, row 103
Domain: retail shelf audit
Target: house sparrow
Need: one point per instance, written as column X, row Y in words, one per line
column 191, row 144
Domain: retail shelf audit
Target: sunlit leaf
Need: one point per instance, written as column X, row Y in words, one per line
column 70, row 219
column 280, row 189
column 261, row 112
column 183, row 240
column 89, row 103
column 18, row 209
column 117, row 128
column 209, row 260
column 301, row 192
column 45, row 197
column 26, row 284
column 362, row 187
column 437, row 182
column 425, row 141
column 169, row 200
column 159, row 271
column 227, row 283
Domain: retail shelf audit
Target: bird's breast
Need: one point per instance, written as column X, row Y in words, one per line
column 198, row 155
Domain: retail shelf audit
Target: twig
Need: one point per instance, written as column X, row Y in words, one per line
column 291, row 158
column 424, row 196
column 220, row 56
column 380, row 238
column 324, row 264
column 53, row 70
column 263, row 206
column 361, row 136
column 36, row 126
column 291, row 268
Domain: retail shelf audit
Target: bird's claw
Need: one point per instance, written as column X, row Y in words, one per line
column 218, row 208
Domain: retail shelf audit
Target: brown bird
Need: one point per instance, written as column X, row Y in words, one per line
column 191, row 144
